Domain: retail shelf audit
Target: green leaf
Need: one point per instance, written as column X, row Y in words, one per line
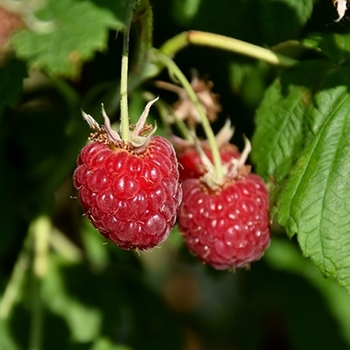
column 80, row 28
column 335, row 46
column 302, row 144
column 185, row 10
column 282, row 19
column 248, row 79
column 282, row 111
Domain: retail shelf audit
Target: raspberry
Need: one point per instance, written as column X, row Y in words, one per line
column 191, row 166
column 226, row 228
column 130, row 192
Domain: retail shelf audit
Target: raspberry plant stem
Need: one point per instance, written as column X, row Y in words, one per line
column 40, row 229
column 180, row 124
column 180, row 41
column 175, row 72
column 145, row 36
column 37, row 317
column 124, row 113
column 65, row 247
column 164, row 110
column 15, row 283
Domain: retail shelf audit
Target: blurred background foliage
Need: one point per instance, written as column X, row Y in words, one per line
column 92, row 295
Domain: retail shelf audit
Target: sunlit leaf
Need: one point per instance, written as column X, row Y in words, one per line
column 302, row 145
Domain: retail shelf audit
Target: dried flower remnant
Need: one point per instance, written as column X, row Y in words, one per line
column 342, row 9
column 184, row 108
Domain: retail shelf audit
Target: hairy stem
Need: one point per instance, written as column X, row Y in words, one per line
column 175, row 71
column 124, row 112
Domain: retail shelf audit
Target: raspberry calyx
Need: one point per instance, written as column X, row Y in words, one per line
column 193, row 164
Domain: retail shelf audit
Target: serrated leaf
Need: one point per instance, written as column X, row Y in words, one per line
column 314, row 201
column 80, row 28
column 302, row 142
column 282, row 111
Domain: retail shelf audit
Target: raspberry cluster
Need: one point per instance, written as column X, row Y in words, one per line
column 130, row 191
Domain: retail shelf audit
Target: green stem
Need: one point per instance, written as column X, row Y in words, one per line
column 14, row 285
column 175, row 71
column 164, row 112
column 40, row 229
column 36, row 324
column 182, row 127
column 172, row 46
column 144, row 36
column 124, row 111
column 180, row 41
column 65, row 247
column 175, row 44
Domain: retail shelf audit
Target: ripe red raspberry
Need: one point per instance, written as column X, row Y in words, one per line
column 226, row 228
column 191, row 166
column 224, row 215
column 130, row 192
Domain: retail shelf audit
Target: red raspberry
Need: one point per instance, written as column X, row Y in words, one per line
column 130, row 198
column 226, row 228
column 191, row 166
column 130, row 193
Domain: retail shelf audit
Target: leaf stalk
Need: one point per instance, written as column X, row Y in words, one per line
column 194, row 37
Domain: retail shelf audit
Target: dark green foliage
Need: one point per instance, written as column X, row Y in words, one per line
column 95, row 296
